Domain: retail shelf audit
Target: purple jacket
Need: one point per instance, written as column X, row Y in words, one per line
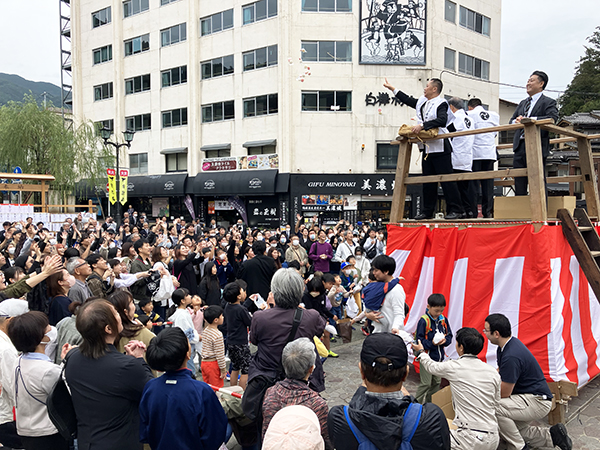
column 316, row 250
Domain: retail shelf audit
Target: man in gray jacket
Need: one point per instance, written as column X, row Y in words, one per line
column 475, row 388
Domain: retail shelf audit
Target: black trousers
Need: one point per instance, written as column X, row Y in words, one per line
column 439, row 164
column 520, row 162
column 487, row 186
column 52, row 442
column 9, row 437
column 468, row 195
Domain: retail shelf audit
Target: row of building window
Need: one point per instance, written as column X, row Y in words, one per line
column 253, row 107
column 469, row 65
column 253, row 12
column 468, row 18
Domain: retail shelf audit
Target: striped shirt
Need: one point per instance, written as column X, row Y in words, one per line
column 213, row 346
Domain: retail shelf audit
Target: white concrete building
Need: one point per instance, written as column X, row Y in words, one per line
column 204, row 79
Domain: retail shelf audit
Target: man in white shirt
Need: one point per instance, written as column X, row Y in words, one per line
column 475, row 388
column 8, row 362
column 462, row 155
column 346, row 247
column 392, row 309
column 484, row 152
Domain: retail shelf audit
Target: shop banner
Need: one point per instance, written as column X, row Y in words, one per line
column 238, row 204
column 160, row 206
column 211, row 207
column 241, row 163
column 123, row 175
column 532, row 278
column 190, row 206
column 223, row 205
column 112, row 185
column 264, row 212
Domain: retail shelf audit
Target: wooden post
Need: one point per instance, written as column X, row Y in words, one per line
column 535, row 173
column 44, row 209
column 90, row 206
column 586, row 162
column 402, row 168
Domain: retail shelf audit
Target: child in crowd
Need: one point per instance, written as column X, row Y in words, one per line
column 348, row 274
column 176, row 410
column 145, row 320
column 433, row 332
column 147, row 309
column 238, row 320
column 181, row 318
column 197, row 310
column 213, row 348
column 336, row 296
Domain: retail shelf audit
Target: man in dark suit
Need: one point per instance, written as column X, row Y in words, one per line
column 258, row 271
column 536, row 106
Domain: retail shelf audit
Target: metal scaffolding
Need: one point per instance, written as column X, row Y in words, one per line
column 66, row 76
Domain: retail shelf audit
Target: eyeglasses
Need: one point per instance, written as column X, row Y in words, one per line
column 486, row 331
column 81, row 265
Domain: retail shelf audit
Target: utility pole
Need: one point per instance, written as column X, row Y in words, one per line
column 45, row 94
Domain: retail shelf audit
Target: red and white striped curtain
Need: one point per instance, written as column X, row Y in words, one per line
column 532, row 278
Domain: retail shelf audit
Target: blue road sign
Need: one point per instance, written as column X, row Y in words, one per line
column 17, row 170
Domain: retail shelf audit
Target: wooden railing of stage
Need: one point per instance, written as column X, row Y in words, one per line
column 534, row 171
column 43, row 187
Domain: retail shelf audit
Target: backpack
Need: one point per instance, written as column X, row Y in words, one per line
column 410, row 422
column 372, row 251
column 428, row 324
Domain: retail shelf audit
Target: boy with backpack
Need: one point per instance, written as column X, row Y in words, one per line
column 434, row 333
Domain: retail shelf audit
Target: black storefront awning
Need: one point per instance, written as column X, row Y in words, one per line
column 168, row 185
column 235, row 182
column 282, row 186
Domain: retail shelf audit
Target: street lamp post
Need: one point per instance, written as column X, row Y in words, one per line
column 128, row 135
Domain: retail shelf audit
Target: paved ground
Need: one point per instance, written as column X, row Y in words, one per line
column 343, row 378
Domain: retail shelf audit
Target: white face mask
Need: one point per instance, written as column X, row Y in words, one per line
column 282, row 240
column 358, row 257
column 355, row 239
column 259, row 238
column 273, row 245
column 312, row 236
column 347, row 272
column 112, row 245
column 52, row 335
column 11, row 251
column 295, row 242
column 330, row 235
column 222, row 257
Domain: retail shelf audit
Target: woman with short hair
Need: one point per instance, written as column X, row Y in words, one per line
column 58, row 289
column 271, row 327
column 35, row 377
column 106, row 385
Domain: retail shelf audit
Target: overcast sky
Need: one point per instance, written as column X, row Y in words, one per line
column 536, row 34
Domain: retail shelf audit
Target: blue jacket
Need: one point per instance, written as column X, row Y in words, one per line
column 177, row 411
column 436, row 352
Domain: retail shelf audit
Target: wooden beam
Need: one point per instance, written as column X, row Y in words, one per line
column 23, row 187
column 565, row 179
column 27, row 176
column 535, row 174
column 486, row 175
column 508, row 127
column 402, row 168
column 565, row 132
column 588, row 172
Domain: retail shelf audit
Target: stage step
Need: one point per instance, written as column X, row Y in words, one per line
column 585, row 242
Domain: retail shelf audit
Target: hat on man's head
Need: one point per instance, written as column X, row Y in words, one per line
column 384, row 345
column 13, row 307
column 345, row 264
column 294, row 427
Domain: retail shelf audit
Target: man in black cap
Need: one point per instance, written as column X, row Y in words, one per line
column 379, row 411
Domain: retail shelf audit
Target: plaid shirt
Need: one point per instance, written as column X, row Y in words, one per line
column 295, row 392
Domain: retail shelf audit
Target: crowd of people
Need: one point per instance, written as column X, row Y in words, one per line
column 132, row 315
